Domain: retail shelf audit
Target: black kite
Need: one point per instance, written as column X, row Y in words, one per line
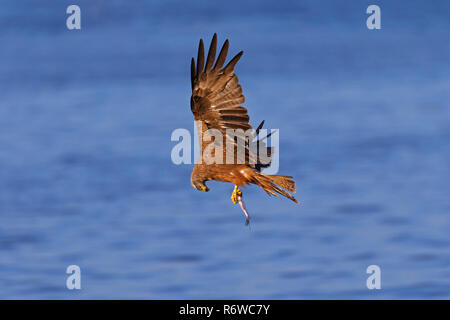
column 216, row 104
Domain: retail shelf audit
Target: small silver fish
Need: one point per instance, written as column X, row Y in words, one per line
column 242, row 205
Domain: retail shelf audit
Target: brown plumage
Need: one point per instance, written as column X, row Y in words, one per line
column 216, row 104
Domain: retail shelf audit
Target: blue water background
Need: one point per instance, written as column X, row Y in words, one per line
column 87, row 179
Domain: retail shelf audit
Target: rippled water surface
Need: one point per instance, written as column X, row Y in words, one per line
column 86, row 176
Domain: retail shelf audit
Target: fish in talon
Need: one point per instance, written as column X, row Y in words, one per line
column 242, row 205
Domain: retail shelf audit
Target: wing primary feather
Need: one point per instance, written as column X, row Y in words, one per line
column 259, row 127
column 222, row 55
column 274, row 131
column 211, row 53
column 230, row 66
column 200, row 57
column 192, row 73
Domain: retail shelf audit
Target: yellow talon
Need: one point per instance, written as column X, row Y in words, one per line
column 236, row 192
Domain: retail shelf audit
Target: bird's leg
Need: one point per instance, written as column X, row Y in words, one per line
column 236, row 192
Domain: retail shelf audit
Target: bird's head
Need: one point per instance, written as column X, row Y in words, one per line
column 200, row 185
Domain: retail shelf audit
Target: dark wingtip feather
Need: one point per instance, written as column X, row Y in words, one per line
column 200, row 57
column 222, row 55
column 211, row 53
column 266, row 137
column 260, row 126
column 230, row 66
column 192, row 72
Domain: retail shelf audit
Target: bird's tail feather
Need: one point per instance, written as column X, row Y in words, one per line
column 275, row 185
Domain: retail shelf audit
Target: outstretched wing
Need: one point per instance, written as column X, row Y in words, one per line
column 217, row 96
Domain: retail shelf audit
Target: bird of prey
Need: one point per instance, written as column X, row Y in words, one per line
column 216, row 104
